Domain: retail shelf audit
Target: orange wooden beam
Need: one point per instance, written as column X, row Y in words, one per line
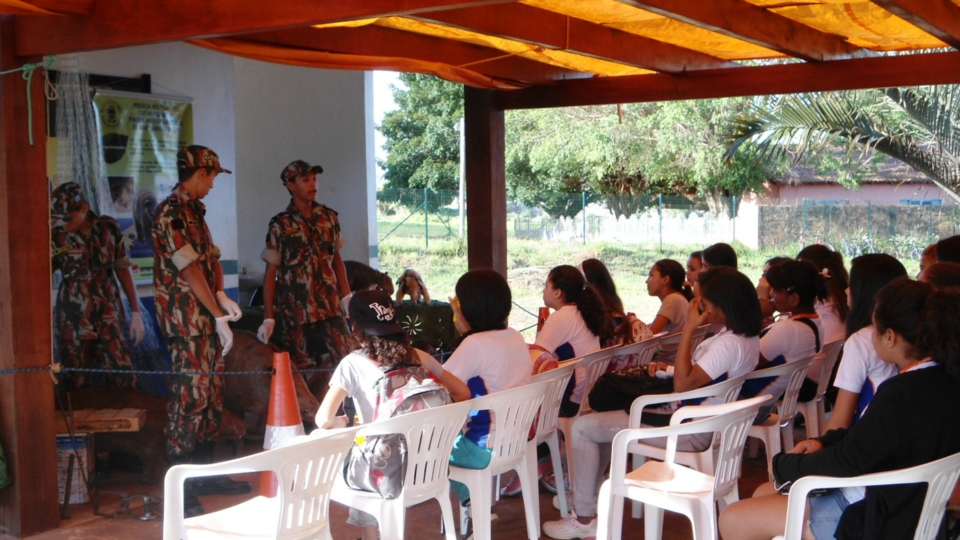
column 557, row 31
column 875, row 72
column 939, row 18
column 139, row 22
column 742, row 20
column 374, row 40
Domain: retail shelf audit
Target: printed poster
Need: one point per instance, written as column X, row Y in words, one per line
column 140, row 135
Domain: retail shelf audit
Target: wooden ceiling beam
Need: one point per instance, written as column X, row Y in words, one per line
column 853, row 74
column 742, row 20
column 113, row 23
column 553, row 30
column 939, row 18
column 379, row 41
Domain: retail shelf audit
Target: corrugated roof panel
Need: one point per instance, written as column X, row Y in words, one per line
column 644, row 23
column 865, row 24
column 536, row 53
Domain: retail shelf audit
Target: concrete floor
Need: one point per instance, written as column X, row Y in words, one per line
column 423, row 522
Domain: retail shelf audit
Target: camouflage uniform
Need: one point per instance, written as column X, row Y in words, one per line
column 307, row 297
column 89, row 316
column 181, row 238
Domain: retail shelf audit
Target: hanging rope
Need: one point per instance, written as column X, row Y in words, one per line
column 28, row 70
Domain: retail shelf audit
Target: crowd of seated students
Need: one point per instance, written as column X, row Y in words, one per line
column 893, row 347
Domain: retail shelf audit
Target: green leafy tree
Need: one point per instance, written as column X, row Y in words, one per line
column 918, row 126
column 422, row 140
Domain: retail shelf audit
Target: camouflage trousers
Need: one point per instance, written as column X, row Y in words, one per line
column 306, row 344
column 195, row 402
column 111, row 354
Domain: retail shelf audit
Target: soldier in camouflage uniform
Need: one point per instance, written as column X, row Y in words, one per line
column 89, row 318
column 194, row 313
column 305, row 279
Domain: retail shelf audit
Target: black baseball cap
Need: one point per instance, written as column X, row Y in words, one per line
column 372, row 310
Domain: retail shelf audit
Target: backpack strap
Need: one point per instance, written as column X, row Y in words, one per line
column 812, row 326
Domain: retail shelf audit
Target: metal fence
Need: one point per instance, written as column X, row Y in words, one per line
column 854, row 228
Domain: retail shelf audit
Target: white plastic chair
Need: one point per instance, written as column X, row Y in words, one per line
column 639, row 353
column 698, row 336
column 668, row 485
column 779, row 424
column 699, row 461
column 429, row 435
column 512, row 413
column 305, row 470
column 547, row 428
column 940, row 475
column 594, row 365
column 813, row 411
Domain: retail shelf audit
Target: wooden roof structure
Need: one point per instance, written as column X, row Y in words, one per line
column 510, row 54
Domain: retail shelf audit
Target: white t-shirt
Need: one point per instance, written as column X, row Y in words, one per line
column 566, row 326
column 833, row 329
column 358, row 375
column 674, row 308
column 489, row 362
column 861, row 371
column 794, row 341
column 726, row 353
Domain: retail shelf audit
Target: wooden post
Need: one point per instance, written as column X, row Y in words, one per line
column 28, row 506
column 486, row 181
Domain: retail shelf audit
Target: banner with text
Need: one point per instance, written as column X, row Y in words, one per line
column 140, row 135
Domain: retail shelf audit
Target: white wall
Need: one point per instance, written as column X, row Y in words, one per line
column 323, row 117
column 179, row 69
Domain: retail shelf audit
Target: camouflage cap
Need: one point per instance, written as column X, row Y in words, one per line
column 199, row 156
column 65, row 199
column 298, row 168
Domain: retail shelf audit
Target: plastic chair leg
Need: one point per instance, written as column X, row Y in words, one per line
column 554, row 443
column 530, row 490
column 392, row 519
column 636, row 511
column 652, row 522
column 772, row 443
column 446, row 513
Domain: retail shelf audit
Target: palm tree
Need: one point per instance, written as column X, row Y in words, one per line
column 918, row 126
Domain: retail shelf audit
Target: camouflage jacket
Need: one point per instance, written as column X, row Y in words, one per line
column 303, row 248
column 88, row 301
column 181, row 238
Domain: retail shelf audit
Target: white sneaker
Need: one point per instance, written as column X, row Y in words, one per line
column 569, row 528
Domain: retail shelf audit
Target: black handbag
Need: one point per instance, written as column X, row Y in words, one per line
column 616, row 390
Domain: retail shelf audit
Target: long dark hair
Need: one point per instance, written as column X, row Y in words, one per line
column 569, row 281
column 719, row 254
column 736, row 297
column 868, row 274
column 925, row 317
column 485, row 301
column 598, row 276
column 835, row 287
column 677, row 274
column 800, row 277
column 942, row 275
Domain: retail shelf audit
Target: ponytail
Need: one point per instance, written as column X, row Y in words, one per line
column 830, row 264
column 678, row 276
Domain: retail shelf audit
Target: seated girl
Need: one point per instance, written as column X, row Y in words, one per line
column 912, row 420
column 793, row 286
column 382, row 346
column 490, row 357
column 727, row 300
column 861, row 371
column 694, row 265
column 627, row 328
column 665, row 281
column 832, row 302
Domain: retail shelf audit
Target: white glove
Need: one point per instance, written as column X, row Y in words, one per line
column 137, row 330
column 226, row 335
column 266, row 330
column 229, row 306
column 665, row 373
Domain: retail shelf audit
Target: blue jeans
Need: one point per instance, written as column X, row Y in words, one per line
column 468, row 455
column 825, row 512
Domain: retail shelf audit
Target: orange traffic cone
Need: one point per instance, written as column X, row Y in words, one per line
column 283, row 416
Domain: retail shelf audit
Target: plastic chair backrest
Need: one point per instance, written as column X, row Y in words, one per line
column 305, row 475
column 595, row 364
column 550, row 409
column 940, row 476
column 732, row 421
column 830, row 353
column 430, row 435
column 640, row 353
column 513, row 411
column 698, row 337
column 796, row 371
